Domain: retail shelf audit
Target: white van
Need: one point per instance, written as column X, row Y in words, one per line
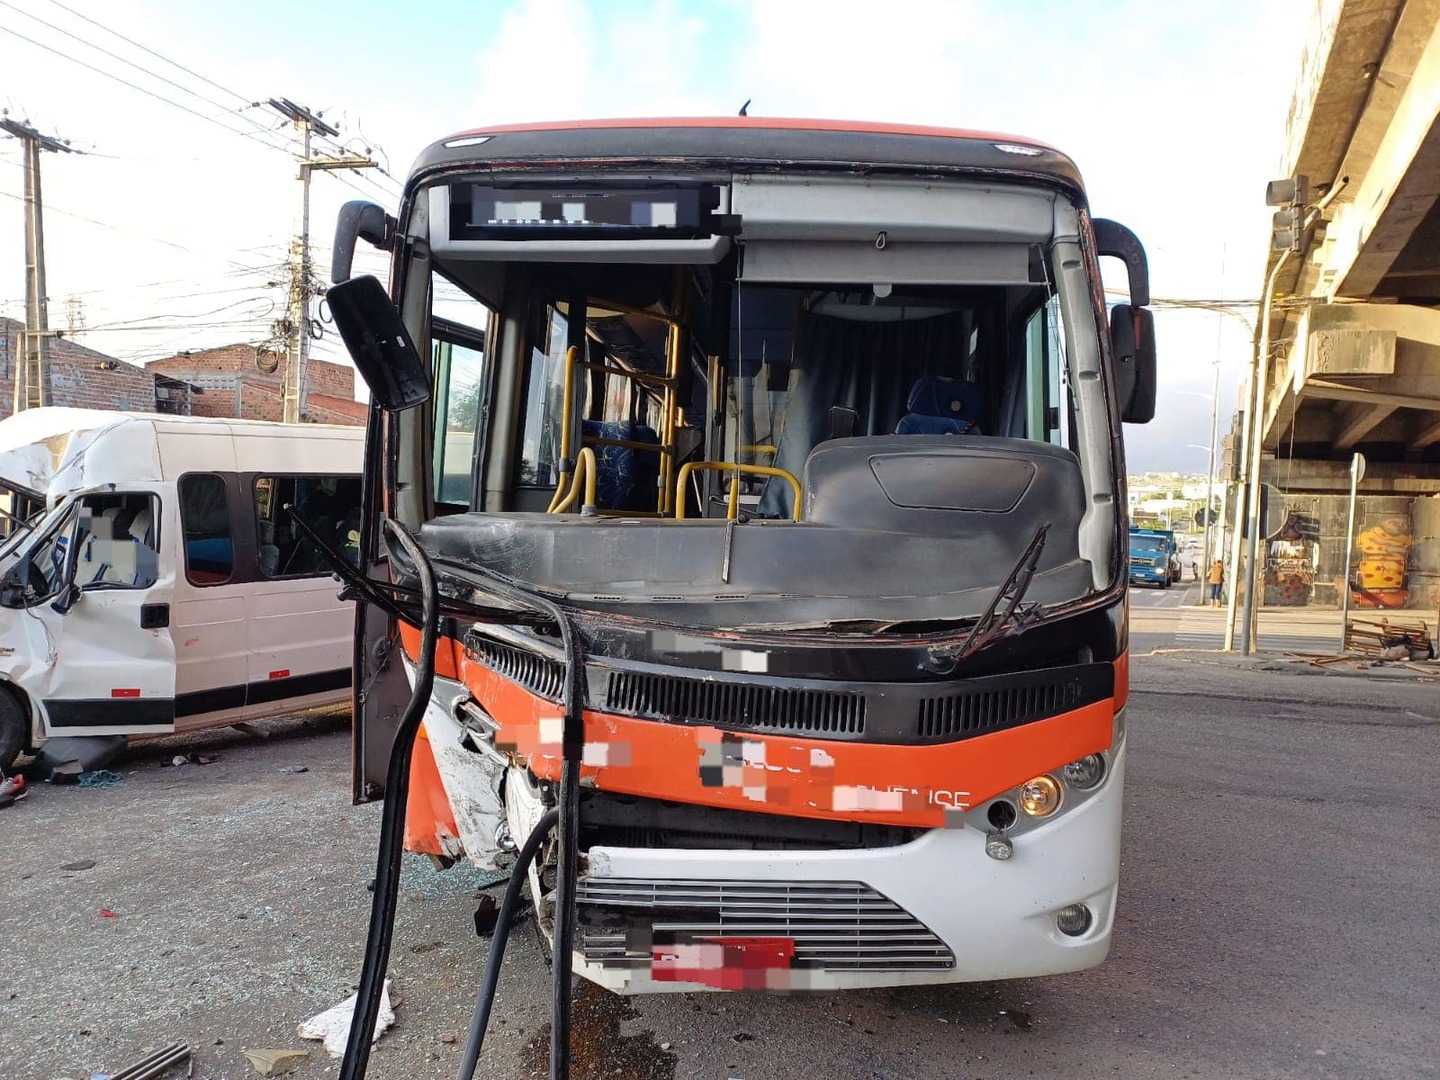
column 152, row 577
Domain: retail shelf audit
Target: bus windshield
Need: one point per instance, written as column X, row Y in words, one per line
column 851, row 421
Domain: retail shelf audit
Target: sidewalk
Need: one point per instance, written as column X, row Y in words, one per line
column 1354, row 667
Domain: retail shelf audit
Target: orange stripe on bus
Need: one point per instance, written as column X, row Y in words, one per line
column 1122, row 680
column 445, row 651
column 816, row 778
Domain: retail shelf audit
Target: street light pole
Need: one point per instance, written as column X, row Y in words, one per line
column 1357, row 472
column 1250, row 488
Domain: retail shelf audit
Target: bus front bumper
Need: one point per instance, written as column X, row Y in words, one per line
column 936, row 910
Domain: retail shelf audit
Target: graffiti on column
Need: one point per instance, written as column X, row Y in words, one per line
column 1383, row 549
column 1290, row 561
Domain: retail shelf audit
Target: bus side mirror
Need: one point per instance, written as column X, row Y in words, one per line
column 1132, row 345
column 379, row 344
column 359, row 220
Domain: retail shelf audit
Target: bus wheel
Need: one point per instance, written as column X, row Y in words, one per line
column 13, row 727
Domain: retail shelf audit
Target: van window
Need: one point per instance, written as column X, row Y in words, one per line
column 205, row 519
column 117, row 541
column 44, row 568
column 329, row 505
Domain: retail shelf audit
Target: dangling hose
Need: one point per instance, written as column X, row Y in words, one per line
column 392, row 833
column 392, row 820
column 496, row 956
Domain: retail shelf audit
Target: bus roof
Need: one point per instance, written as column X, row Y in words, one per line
column 765, row 142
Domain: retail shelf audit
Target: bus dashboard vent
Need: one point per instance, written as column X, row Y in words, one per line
column 538, row 674
column 738, row 705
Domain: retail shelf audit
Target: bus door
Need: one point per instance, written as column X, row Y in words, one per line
column 97, row 619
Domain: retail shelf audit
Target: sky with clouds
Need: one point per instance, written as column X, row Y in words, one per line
column 169, row 231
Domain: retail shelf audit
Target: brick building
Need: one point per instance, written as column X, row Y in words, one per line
column 87, row 379
column 245, row 381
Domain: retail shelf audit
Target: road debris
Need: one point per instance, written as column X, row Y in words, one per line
column 333, row 1025
column 1388, row 638
column 99, row 778
column 79, row 864
column 73, row 755
column 192, row 758
column 275, row 1062
column 295, row 768
column 154, row 1065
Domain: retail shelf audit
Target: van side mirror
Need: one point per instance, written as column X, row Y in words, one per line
column 67, row 598
column 12, row 587
column 360, row 220
column 379, row 344
column 1132, row 345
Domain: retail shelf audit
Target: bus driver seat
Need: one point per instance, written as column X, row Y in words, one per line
column 940, row 406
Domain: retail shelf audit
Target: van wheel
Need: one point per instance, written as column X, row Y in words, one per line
column 13, row 727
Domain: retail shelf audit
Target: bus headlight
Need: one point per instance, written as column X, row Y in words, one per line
column 1085, row 774
column 1040, row 797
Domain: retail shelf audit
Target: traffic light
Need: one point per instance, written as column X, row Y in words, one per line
column 1287, row 228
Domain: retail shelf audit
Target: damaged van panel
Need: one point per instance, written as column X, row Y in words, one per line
column 156, row 579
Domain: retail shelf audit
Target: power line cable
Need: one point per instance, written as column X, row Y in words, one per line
column 115, row 56
column 152, row 52
column 149, row 93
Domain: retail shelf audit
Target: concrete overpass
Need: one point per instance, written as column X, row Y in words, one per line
column 1354, row 361
column 1356, row 325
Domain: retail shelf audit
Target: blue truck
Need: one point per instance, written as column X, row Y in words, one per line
column 1154, row 557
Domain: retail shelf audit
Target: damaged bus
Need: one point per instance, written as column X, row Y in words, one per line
column 747, row 496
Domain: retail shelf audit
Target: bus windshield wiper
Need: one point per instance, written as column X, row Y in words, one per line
column 1003, row 616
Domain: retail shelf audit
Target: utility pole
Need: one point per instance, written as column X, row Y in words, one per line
column 302, row 284
column 32, row 373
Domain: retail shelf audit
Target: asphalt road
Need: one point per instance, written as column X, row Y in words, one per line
column 1278, row 918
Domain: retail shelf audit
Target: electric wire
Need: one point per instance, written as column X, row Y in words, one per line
column 115, row 56
column 149, row 93
column 146, row 48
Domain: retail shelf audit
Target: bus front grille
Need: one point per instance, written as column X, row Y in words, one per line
column 755, row 706
column 835, row 925
column 538, row 674
column 973, row 711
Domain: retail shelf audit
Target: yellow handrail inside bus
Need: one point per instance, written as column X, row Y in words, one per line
column 733, row 510
column 585, row 472
column 565, row 419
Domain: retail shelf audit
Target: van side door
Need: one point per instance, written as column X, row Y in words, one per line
column 301, row 634
column 211, row 554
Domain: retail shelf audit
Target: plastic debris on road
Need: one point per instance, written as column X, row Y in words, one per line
column 100, row 778
column 333, row 1025
column 275, row 1062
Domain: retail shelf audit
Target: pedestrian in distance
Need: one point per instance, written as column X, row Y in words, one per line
column 1217, row 581
column 1195, row 569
